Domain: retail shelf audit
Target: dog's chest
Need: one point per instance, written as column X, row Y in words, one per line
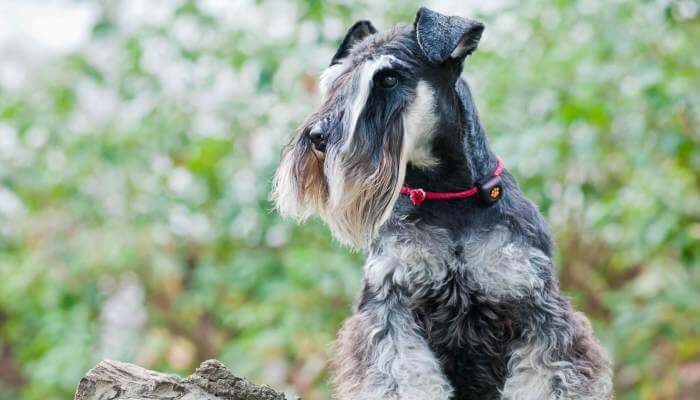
column 470, row 334
column 463, row 294
column 491, row 266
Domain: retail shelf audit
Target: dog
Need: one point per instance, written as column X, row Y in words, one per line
column 459, row 298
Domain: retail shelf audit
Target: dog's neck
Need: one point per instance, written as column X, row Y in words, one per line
column 463, row 157
column 461, row 151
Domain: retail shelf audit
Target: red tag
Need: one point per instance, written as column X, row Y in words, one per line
column 417, row 196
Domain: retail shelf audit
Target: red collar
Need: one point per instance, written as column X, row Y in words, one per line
column 490, row 191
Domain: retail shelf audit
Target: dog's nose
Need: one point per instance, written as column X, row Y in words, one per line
column 316, row 133
column 317, row 137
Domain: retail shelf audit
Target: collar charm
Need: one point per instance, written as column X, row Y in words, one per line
column 489, row 191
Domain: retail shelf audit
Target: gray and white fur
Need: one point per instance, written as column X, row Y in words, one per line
column 459, row 300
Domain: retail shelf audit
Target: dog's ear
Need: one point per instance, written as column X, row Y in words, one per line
column 358, row 31
column 442, row 38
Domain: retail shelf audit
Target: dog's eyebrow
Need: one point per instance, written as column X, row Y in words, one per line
column 335, row 71
column 362, row 81
column 329, row 75
column 393, row 62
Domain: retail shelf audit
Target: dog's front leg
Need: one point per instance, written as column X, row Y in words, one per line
column 559, row 359
column 381, row 354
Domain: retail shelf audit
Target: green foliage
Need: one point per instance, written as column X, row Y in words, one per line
column 134, row 174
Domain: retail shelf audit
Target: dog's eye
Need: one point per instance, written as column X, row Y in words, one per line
column 387, row 80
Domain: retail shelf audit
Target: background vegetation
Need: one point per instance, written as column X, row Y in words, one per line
column 135, row 167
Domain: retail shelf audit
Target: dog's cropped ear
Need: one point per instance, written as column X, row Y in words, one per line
column 443, row 37
column 358, row 31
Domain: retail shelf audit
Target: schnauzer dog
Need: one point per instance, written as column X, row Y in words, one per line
column 459, row 297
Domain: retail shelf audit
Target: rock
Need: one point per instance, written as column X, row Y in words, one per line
column 114, row 380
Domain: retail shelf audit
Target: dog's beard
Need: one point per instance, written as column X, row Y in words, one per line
column 353, row 189
column 362, row 190
column 298, row 187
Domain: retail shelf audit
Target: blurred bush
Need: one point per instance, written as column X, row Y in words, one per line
column 135, row 167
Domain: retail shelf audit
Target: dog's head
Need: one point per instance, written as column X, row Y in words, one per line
column 383, row 97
